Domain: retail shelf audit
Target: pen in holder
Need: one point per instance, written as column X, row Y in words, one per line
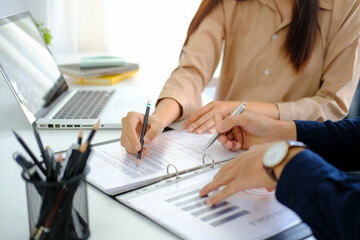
column 59, row 209
column 56, row 190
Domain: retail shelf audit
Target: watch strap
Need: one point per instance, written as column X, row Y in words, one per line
column 270, row 172
column 293, row 143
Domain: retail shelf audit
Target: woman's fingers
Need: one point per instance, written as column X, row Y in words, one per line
column 203, row 123
column 195, row 116
column 154, row 130
column 130, row 137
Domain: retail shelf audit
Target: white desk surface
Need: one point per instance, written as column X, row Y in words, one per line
column 108, row 218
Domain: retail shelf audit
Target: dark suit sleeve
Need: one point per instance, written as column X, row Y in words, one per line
column 337, row 142
column 327, row 199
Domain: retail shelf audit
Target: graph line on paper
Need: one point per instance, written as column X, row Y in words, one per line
column 196, row 206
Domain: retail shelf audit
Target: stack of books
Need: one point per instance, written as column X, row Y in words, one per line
column 104, row 70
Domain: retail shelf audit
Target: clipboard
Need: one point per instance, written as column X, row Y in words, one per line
column 172, row 204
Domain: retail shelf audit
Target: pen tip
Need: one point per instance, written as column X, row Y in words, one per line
column 137, row 162
column 206, row 147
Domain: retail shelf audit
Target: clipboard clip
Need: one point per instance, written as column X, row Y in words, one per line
column 171, row 165
column 209, row 156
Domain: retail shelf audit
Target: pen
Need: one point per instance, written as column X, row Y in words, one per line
column 146, row 117
column 82, row 159
column 29, row 152
column 57, row 166
column 92, row 133
column 80, row 137
column 50, row 155
column 20, row 159
column 42, row 150
column 237, row 111
column 28, row 167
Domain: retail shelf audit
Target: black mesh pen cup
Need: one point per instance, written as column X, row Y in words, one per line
column 58, row 209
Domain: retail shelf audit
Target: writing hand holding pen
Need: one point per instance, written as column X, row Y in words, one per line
column 237, row 111
column 146, row 117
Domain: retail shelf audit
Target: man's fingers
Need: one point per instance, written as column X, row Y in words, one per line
column 230, row 136
column 218, row 181
column 230, row 122
column 237, row 133
column 235, row 145
column 222, row 177
column 229, row 190
column 222, row 139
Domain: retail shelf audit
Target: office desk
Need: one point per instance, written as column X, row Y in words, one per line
column 108, row 219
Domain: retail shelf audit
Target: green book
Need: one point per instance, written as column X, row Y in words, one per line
column 101, row 61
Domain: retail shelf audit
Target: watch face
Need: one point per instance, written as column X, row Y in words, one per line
column 275, row 154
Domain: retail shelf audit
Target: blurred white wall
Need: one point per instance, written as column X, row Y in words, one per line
column 134, row 29
column 38, row 8
column 147, row 28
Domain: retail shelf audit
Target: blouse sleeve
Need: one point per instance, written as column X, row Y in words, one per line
column 200, row 58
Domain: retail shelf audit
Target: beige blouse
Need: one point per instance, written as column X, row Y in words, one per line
column 250, row 35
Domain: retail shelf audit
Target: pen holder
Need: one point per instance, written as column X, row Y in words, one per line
column 59, row 209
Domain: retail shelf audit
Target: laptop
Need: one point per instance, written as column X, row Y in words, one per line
column 31, row 72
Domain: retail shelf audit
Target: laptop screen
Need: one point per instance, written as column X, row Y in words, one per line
column 27, row 64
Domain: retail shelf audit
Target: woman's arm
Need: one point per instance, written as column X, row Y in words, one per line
column 200, row 57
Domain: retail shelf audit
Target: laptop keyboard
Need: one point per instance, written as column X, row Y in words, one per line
column 84, row 105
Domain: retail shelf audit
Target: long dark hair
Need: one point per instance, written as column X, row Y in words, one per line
column 301, row 35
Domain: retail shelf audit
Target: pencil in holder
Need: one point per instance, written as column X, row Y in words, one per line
column 58, row 209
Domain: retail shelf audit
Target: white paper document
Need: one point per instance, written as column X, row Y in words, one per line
column 114, row 171
column 249, row 214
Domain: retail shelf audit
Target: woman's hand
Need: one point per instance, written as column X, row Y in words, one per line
column 245, row 171
column 202, row 119
column 167, row 110
column 132, row 126
column 250, row 128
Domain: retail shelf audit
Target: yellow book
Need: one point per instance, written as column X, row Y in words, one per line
column 105, row 80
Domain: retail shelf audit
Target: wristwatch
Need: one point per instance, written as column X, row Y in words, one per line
column 276, row 154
